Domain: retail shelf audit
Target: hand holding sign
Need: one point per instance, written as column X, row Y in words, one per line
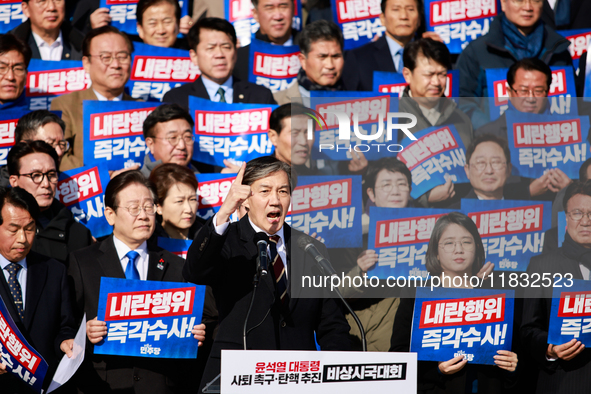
column 199, row 333
column 2, row 369
column 506, row 360
column 442, row 192
column 236, row 196
column 100, row 18
column 558, row 179
column 454, row 365
column 566, row 351
column 67, row 346
column 367, row 259
column 96, row 330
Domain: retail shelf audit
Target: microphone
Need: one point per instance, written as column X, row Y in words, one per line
column 305, row 243
column 262, row 240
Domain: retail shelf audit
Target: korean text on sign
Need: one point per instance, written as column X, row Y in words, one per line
column 359, row 20
column 213, row 189
column 570, row 316
column 11, row 15
column 272, row 66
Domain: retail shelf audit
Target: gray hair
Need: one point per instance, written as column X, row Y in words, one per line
column 264, row 166
column 27, row 126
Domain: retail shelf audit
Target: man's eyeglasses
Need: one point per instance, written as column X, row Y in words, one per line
column 44, row 3
column 387, row 187
column 18, row 69
column 175, row 139
column 496, row 164
column 468, row 245
column 134, row 210
column 578, row 215
column 522, row 2
column 537, row 92
column 64, row 145
column 37, row 176
column 107, row 58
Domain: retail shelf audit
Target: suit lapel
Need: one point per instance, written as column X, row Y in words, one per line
column 382, row 55
column 240, row 91
column 109, row 260
column 35, row 53
column 157, row 265
column 7, row 298
column 36, row 278
column 199, row 89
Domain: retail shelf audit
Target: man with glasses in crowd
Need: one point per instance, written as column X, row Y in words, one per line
column 168, row 132
column 107, row 60
column 14, row 60
column 47, row 31
column 33, row 167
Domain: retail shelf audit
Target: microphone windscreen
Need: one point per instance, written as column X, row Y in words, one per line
column 260, row 236
column 303, row 241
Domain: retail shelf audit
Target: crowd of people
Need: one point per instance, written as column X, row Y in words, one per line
column 52, row 264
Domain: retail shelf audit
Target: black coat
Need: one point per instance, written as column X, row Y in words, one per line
column 244, row 92
column 62, row 236
column 556, row 377
column 103, row 374
column 579, row 15
column 49, row 319
column 227, row 263
column 70, row 51
column 360, row 63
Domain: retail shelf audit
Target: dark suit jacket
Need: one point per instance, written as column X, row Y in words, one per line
column 244, row 92
column 71, row 106
column 579, row 15
column 360, row 63
column 557, row 377
column 106, row 373
column 227, row 263
column 49, row 319
column 24, row 33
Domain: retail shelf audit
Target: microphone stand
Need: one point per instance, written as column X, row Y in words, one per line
column 255, row 282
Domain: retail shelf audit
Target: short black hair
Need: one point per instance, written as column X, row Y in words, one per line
column 488, row 138
column 143, row 5
column 391, row 164
column 19, row 198
column 121, row 181
column 583, row 170
column 576, row 187
column 431, row 49
column 283, row 112
column 165, row 113
column 263, row 166
column 216, row 24
column 9, row 42
column 432, row 262
column 320, row 30
column 108, row 29
column 25, row 148
column 529, row 64
column 27, row 126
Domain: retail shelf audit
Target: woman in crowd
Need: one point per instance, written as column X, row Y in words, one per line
column 176, row 202
column 455, row 249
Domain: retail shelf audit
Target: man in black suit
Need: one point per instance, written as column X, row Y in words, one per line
column 130, row 209
column 223, row 255
column 213, row 49
column 563, row 368
column 35, row 281
column 47, row 32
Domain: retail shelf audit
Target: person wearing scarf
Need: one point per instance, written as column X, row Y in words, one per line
column 563, row 368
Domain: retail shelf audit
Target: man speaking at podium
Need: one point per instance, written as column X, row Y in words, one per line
column 224, row 256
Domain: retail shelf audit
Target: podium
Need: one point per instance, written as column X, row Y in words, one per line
column 315, row 372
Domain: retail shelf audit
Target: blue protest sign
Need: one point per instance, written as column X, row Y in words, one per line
column 239, row 14
column 149, row 318
column 570, row 316
column 561, row 95
column 8, row 121
column 512, row 231
column 156, row 70
column 540, row 142
column 11, row 15
column 235, row 132
column 460, row 22
column 370, row 110
column 561, row 227
column 400, row 238
column 358, row 20
column 46, row 80
column 176, row 246
column 450, row 322
column 331, row 207
column 394, row 83
column 114, row 132
column 19, row 357
column 275, row 67
column 82, row 190
column 213, row 189
column 436, row 155
column 122, row 13
column 579, row 42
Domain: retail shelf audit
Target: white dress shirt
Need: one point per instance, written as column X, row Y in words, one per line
column 212, row 89
column 21, row 275
column 50, row 51
column 142, row 261
column 281, row 250
column 100, row 97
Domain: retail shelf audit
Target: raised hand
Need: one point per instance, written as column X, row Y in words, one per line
column 237, row 194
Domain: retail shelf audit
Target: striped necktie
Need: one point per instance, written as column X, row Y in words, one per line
column 222, row 94
column 278, row 268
